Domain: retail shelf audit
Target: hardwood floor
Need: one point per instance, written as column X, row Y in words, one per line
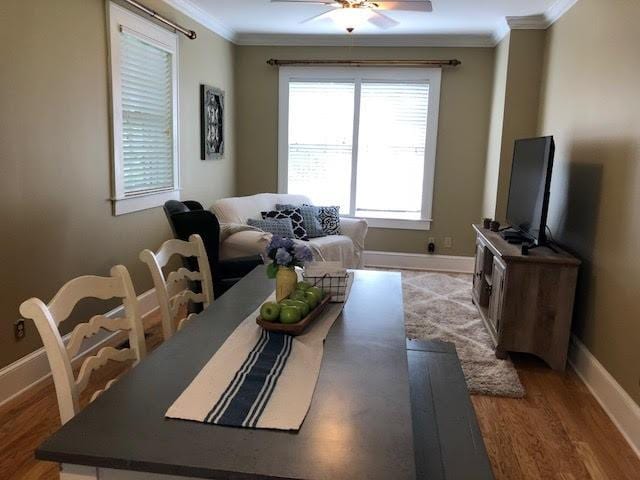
column 558, row 431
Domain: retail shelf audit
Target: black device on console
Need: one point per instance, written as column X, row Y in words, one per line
column 529, row 192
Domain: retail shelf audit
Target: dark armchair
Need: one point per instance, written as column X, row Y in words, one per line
column 187, row 218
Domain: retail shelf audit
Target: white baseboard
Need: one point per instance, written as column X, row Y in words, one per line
column 419, row 261
column 33, row 369
column 616, row 402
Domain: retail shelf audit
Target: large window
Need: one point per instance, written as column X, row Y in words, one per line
column 363, row 139
column 145, row 112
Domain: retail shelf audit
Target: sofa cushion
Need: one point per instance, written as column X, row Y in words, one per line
column 310, row 216
column 329, row 218
column 293, row 214
column 278, row 226
column 240, row 209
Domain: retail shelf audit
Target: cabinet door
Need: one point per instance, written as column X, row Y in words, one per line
column 497, row 294
column 477, row 271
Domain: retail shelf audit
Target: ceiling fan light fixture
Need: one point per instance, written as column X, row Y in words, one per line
column 351, row 18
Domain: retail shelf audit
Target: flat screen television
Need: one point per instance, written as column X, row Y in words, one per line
column 529, row 188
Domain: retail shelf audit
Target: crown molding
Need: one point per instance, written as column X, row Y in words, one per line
column 530, row 22
column 278, row 40
column 533, row 22
column 557, row 10
column 204, row 18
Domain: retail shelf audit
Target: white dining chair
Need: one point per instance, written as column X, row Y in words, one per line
column 172, row 302
column 47, row 318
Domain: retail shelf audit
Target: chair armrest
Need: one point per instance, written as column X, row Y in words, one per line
column 356, row 229
column 244, row 243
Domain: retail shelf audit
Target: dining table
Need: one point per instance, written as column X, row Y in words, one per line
column 384, row 407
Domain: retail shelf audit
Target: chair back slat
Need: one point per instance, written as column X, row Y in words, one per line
column 172, row 302
column 88, row 286
column 47, row 318
column 175, row 247
column 183, row 298
column 99, row 360
column 93, row 326
column 182, row 274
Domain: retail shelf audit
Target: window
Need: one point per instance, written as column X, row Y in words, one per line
column 363, row 139
column 145, row 112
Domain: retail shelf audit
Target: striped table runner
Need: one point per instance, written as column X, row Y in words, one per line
column 258, row 379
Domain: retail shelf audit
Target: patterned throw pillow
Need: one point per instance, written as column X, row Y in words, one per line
column 329, row 218
column 295, row 216
column 278, row 226
column 310, row 217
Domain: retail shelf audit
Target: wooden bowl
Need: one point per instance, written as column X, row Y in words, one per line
column 295, row 328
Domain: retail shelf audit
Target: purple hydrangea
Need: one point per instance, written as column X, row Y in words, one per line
column 280, row 242
column 302, row 253
column 283, row 257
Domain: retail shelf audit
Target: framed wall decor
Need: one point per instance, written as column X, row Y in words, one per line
column 211, row 123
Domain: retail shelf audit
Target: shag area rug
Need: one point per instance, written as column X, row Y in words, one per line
column 438, row 306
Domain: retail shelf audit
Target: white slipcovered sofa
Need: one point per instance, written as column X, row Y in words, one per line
column 237, row 241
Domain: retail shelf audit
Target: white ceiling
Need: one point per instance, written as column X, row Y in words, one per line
column 244, row 21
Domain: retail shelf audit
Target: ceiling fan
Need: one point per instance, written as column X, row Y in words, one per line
column 351, row 13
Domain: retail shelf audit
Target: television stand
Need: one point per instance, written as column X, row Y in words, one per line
column 525, row 300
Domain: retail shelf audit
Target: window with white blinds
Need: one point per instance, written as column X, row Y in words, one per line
column 144, row 91
column 363, row 139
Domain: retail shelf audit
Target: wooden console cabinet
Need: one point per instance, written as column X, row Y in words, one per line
column 526, row 301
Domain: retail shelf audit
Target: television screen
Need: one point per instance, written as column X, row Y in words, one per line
column 529, row 188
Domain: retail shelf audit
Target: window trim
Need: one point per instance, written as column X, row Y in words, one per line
column 357, row 74
column 120, row 19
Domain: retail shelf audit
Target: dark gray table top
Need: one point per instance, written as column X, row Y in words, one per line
column 359, row 425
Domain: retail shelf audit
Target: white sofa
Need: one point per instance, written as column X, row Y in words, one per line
column 346, row 248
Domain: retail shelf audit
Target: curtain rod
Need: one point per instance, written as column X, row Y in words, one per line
column 368, row 63
column 186, row 32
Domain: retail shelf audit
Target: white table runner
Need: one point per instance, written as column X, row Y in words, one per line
column 258, row 379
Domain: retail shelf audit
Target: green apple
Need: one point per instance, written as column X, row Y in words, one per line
column 270, row 311
column 317, row 292
column 297, row 295
column 290, row 314
column 303, row 286
column 311, row 299
column 302, row 305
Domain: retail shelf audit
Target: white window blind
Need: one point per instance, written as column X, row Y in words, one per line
column 363, row 139
column 320, row 141
column 147, row 116
column 391, row 147
column 144, row 85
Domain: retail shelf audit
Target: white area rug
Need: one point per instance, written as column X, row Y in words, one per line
column 438, row 307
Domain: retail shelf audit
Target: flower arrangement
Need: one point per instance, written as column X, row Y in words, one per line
column 285, row 253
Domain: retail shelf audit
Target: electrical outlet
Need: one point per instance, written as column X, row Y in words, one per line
column 19, row 329
column 447, row 242
column 431, row 245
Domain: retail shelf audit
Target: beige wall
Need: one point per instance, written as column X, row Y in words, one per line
column 462, row 136
column 55, row 152
column 494, row 147
column 522, row 100
column 514, row 113
column 590, row 103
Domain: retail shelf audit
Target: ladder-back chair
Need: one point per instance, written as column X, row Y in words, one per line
column 172, row 303
column 47, row 319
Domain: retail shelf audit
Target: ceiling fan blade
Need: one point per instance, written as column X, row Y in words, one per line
column 382, row 21
column 326, row 14
column 309, row 2
column 406, row 5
